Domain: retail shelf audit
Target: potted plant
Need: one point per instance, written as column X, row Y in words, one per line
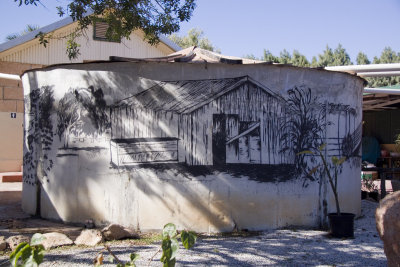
column 341, row 223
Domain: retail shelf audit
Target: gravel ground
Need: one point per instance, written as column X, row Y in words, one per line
column 270, row 248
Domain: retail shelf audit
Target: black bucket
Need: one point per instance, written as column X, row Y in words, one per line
column 341, row 226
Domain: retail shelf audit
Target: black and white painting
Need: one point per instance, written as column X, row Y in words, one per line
column 232, row 124
column 210, row 149
column 222, row 123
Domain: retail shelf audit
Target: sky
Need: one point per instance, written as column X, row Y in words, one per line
column 243, row 27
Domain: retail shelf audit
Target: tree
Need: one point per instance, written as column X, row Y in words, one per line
column 340, row 57
column 194, row 37
column 29, row 28
column 123, row 17
column 269, row 57
column 299, row 60
column 285, row 57
column 251, row 56
column 388, row 55
column 314, row 62
column 362, row 59
column 325, row 59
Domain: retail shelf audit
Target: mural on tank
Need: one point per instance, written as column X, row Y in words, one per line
column 235, row 125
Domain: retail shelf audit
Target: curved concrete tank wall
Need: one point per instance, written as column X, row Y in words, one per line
column 210, row 147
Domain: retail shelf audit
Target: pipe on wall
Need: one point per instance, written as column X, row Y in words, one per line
column 9, row 76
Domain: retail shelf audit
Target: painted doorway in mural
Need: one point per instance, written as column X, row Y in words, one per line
column 219, row 139
column 235, row 141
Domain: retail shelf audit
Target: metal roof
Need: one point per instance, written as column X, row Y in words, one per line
column 57, row 25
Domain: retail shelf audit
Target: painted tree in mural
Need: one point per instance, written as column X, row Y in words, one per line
column 82, row 107
column 39, row 134
column 68, row 117
column 304, row 128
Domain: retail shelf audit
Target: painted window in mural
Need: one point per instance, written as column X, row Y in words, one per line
column 125, row 152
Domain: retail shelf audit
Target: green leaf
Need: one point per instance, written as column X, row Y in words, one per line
column 134, row 257
column 166, row 248
column 17, row 253
column 26, row 252
column 13, row 255
column 37, row 239
column 305, row 152
column 30, row 262
column 321, row 147
column 334, row 160
column 174, row 247
column 169, row 230
column 188, row 239
column 169, row 263
column 38, row 254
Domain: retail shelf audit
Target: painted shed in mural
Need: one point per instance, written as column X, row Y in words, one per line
column 200, row 122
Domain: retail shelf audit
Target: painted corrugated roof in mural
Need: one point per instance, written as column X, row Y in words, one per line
column 185, row 96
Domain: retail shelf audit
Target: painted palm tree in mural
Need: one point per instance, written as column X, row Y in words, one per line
column 304, row 128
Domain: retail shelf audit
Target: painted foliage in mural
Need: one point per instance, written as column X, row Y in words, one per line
column 82, row 119
column 305, row 127
column 38, row 133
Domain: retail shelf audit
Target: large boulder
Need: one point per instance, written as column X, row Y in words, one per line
column 3, row 243
column 14, row 241
column 388, row 225
column 89, row 237
column 56, row 240
column 117, row 232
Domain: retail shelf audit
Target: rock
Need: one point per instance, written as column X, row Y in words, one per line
column 14, row 241
column 3, row 243
column 387, row 217
column 90, row 237
column 56, row 240
column 117, row 232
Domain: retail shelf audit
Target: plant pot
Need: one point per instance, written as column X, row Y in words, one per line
column 341, row 226
column 364, row 194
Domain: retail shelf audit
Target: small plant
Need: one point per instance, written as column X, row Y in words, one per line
column 170, row 243
column 26, row 254
column 169, row 247
column 332, row 176
column 98, row 261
